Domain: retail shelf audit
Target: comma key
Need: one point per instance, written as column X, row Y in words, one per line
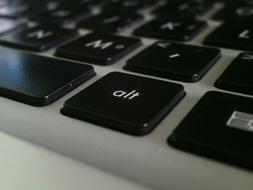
column 126, row 103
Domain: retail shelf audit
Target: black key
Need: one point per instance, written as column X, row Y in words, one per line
column 62, row 15
column 111, row 21
column 239, row 10
column 240, row 36
column 171, row 29
column 98, row 48
column 7, row 25
column 38, row 38
column 185, row 8
column 238, row 75
column 37, row 80
column 90, row 2
column 32, row 7
column 129, row 5
column 174, row 61
column 220, row 127
column 94, row 3
column 82, row 3
column 126, row 103
column 48, row 5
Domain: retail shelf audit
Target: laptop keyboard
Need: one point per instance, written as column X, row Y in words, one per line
column 152, row 58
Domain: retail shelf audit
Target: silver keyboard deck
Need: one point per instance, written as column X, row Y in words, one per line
column 148, row 160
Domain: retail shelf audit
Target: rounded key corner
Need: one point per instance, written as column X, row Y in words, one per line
column 142, row 132
column 211, row 93
column 218, row 50
column 193, row 79
column 217, row 83
column 66, row 110
column 183, row 92
column 176, row 142
column 172, row 140
column 36, row 101
column 42, row 102
column 63, row 110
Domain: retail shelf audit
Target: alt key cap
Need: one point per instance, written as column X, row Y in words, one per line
column 126, row 103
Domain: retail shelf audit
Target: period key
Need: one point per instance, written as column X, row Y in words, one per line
column 126, row 103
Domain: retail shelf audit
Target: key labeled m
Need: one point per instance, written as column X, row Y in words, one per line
column 99, row 44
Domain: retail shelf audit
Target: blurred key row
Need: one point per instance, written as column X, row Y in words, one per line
column 175, row 29
column 190, row 8
column 28, row 8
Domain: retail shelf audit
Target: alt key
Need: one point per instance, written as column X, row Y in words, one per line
column 125, row 103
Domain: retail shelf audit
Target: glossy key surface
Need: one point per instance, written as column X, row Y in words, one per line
column 98, row 48
column 174, row 61
column 232, row 34
column 37, row 80
column 238, row 76
column 126, row 103
column 219, row 127
column 184, row 8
